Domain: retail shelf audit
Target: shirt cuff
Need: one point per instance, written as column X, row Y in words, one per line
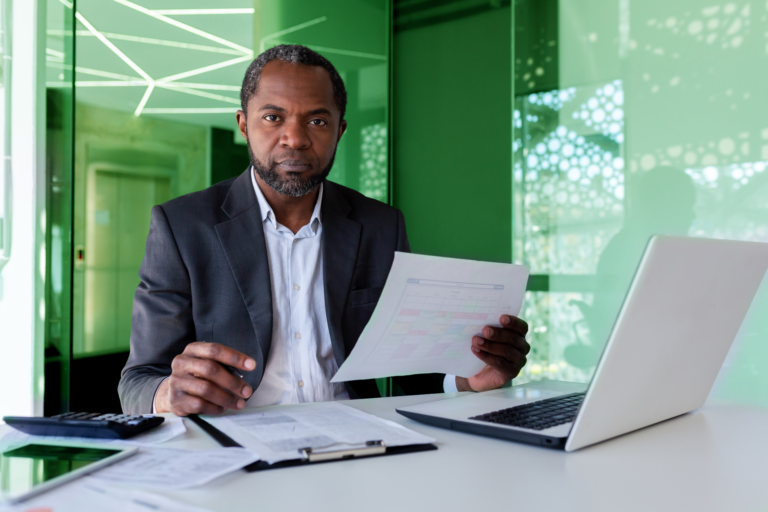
column 154, row 407
column 449, row 384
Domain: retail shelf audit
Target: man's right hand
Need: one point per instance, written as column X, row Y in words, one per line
column 199, row 384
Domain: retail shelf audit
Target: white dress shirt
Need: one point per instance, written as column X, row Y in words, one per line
column 301, row 363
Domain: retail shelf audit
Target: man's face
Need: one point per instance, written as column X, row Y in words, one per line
column 293, row 127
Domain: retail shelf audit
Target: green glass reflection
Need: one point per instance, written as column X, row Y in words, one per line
column 59, row 56
column 654, row 128
column 25, row 467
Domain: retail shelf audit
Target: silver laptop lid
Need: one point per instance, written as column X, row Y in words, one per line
column 681, row 315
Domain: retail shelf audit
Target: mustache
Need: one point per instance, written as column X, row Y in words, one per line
column 292, row 158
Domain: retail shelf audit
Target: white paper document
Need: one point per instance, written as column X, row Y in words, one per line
column 279, row 433
column 171, row 468
column 89, row 495
column 427, row 314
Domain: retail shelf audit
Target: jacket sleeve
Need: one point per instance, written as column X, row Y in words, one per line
column 413, row 384
column 162, row 318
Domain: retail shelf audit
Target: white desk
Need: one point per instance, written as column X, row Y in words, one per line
column 715, row 458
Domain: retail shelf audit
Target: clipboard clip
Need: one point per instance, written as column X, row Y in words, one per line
column 371, row 448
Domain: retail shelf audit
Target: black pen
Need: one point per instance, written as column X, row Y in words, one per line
column 231, row 369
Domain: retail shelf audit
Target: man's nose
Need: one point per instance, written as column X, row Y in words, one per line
column 295, row 135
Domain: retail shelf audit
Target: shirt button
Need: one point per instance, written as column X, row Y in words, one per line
column 297, row 335
column 301, row 383
column 295, row 240
column 296, row 287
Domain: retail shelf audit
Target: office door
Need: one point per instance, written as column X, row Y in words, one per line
column 117, row 228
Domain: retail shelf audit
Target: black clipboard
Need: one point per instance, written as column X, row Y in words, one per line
column 372, row 449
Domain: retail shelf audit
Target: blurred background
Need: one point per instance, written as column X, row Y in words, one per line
column 560, row 134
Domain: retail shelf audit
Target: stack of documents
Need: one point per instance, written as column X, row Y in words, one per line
column 171, row 468
column 277, row 434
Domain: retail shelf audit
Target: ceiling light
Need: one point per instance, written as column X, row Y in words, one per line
column 202, row 94
column 112, row 47
column 289, row 30
column 190, row 110
column 181, row 12
column 184, row 26
column 159, row 42
column 144, row 99
column 205, row 69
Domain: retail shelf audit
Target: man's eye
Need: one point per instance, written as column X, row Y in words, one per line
column 319, row 122
column 271, row 117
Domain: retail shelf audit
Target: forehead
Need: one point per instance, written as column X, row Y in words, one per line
column 294, row 87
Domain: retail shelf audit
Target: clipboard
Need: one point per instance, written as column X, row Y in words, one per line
column 307, row 456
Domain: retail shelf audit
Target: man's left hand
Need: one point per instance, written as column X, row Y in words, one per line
column 503, row 350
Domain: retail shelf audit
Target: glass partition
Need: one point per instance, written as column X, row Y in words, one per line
column 157, row 90
column 652, row 127
column 59, row 59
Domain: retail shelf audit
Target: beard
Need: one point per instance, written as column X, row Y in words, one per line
column 291, row 185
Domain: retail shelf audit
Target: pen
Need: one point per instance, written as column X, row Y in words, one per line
column 231, row 369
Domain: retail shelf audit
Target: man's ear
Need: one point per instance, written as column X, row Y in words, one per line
column 342, row 129
column 241, row 124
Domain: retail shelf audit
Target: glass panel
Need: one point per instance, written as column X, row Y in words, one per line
column 652, row 128
column 59, row 56
column 157, row 91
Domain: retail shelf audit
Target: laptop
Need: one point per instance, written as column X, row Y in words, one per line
column 681, row 314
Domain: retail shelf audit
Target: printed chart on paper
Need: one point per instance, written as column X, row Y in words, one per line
column 427, row 314
column 436, row 318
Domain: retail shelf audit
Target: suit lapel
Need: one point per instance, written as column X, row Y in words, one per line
column 242, row 238
column 341, row 237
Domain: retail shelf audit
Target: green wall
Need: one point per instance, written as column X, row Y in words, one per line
column 452, row 132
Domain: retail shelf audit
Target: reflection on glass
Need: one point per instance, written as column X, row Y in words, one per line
column 667, row 139
column 59, row 55
column 25, row 467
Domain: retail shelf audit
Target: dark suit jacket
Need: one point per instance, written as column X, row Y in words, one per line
column 205, row 277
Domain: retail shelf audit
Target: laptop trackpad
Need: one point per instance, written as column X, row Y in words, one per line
column 538, row 390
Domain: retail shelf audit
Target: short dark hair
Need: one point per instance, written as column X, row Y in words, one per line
column 297, row 54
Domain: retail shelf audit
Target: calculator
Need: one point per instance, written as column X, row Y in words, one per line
column 85, row 424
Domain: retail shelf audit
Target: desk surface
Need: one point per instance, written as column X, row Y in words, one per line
column 715, row 458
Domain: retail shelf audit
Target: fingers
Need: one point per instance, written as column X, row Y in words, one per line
column 194, row 395
column 514, row 323
column 507, row 367
column 210, row 371
column 200, row 384
column 220, row 353
column 183, row 404
column 506, row 336
column 505, row 350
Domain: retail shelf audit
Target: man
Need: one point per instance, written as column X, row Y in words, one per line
column 275, row 273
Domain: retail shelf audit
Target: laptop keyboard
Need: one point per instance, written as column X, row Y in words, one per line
column 537, row 415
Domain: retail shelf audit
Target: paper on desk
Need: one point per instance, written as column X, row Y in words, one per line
column 171, row 468
column 278, row 434
column 169, row 429
column 86, row 494
column 427, row 314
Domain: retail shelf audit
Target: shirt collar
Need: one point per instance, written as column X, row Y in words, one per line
column 268, row 214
